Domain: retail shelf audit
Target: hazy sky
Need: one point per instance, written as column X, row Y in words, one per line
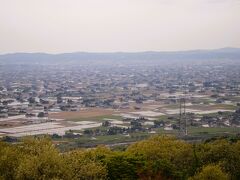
column 117, row 25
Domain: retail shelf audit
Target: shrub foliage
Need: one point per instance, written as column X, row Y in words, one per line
column 160, row 157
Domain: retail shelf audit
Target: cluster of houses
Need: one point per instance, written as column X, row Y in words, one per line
column 35, row 91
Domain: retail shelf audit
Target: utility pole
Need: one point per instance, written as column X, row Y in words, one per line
column 185, row 118
column 180, row 116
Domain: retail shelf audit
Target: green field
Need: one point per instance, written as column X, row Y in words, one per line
column 193, row 134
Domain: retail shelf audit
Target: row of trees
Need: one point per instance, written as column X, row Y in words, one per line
column 160, row 157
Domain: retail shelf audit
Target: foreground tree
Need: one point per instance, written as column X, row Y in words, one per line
column 83, row 166
column 158, row 158
column 210, row 172
column 9, row 160
column 164, row 157
column 222, row 152
column 40, row 160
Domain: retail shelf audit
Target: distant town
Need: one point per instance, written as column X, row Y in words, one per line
column 119, row 102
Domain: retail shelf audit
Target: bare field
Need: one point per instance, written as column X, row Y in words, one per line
column 86, row 113
column 148, row 113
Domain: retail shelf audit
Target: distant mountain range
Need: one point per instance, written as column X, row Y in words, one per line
column 128, row 57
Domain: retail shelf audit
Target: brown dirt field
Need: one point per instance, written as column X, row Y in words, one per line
column 12, row 123
column 87, row 113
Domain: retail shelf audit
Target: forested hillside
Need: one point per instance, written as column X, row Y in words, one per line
column 160, row 157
